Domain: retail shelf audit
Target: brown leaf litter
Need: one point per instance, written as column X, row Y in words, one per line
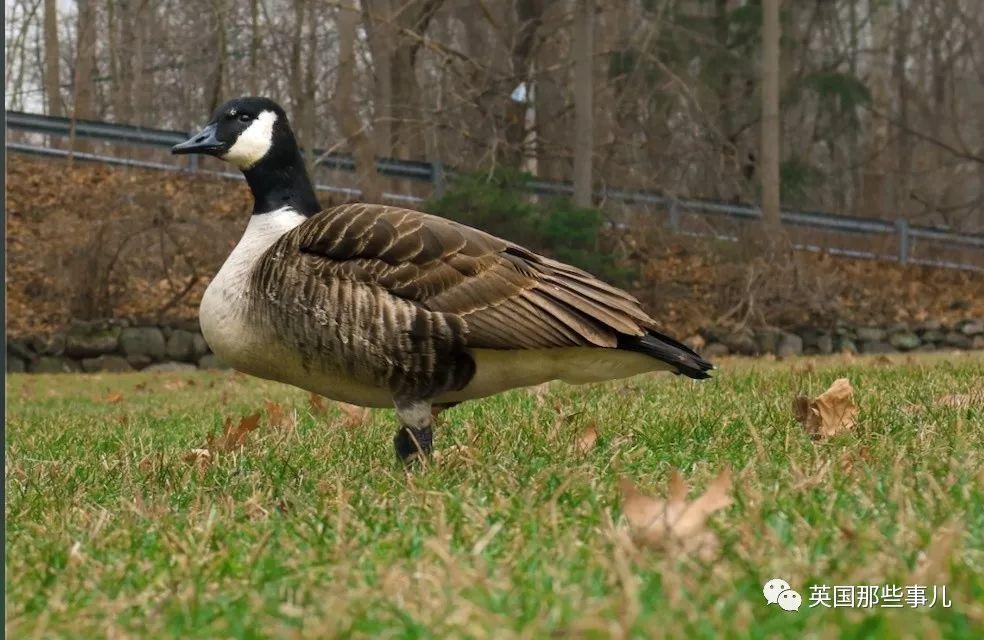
column 675, row 523
column 830, row 413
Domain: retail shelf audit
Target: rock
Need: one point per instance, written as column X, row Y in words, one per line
column 212, row 361
column 972, row 328
column 871, row 334
column 54, row 364
column 932, row 335
column 200, row 347
column 170, row 367
column 143, row 341
column 55, row 345
column 139, row 361
column 21, row 349
column 15, row 364
column 977, row 342
column 85, row 340
column 789, row 345
column 809, row 338
column 843, row 330
column 741, row 342
column 115, row 364
column 767, row 340
column 846, row 345
column 712, row 333
column 191, row 326
column 904, row 341
column 713, row 350
column 924, row 347
column 181, row 346
column 825, row 344
column 876, row 346
column 957, row 339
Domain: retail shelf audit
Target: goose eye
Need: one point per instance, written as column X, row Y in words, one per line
column 244, row 117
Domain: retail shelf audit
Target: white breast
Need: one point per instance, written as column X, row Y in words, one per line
column 222, row 311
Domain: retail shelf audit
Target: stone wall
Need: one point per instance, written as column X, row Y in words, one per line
column 927, row 336
column 119, row 346
column 113, row 346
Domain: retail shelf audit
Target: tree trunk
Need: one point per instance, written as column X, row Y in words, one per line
column 215, row 93
column 903, row 145
column 553, row 126
column 583, row 45
column 377, row 18
column 85, row 61
column 345, row 107
column 254, row 47
column 52, row 68
column 769, row 167
column 411, row 22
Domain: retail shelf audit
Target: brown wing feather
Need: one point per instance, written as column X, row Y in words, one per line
column 508, row 296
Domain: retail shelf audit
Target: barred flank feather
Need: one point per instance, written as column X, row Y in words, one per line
column 397, row 298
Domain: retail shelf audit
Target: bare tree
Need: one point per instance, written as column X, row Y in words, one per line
column 583, row 100
column 345, row 105
column 769, row 167
column 52, row 66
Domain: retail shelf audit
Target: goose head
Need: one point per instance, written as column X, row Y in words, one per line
column 254, row 135
column 244, row 132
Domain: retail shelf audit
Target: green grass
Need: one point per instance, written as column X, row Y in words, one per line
column 318, row 532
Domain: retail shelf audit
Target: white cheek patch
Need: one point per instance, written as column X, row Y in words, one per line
column 253, row 143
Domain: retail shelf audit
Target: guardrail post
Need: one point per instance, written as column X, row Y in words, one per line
column 902, row 228
column 438, row 178
column 674, row 223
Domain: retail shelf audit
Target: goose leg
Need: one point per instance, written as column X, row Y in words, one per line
column 415, row 437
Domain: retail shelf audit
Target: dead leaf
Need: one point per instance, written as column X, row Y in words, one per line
column 233, row 435
column 200, row 458
column 174, row 385
column 456, row 454
column 675, row 523
column 318, row 406
column 962, row 400
column 830, row 413
column 279, row 418
column 587, row 440
column 933, row 564
column 352, row 415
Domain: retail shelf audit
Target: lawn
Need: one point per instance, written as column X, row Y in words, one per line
column 115, row 528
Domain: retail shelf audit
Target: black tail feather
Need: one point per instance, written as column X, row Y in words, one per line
column 685, row 360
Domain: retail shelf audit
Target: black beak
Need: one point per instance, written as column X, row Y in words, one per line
column 202, row 142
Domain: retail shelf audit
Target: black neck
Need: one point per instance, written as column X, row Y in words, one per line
column 280, row 180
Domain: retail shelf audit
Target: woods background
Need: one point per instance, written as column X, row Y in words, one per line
column 866, row 107
column 882, row 100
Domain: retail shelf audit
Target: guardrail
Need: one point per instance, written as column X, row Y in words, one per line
column 438, row 175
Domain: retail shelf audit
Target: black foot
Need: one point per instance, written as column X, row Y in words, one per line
column 411, row 443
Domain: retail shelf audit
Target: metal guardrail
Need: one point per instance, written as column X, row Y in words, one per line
column 437, row 175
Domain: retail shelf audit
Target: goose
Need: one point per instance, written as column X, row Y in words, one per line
column 381, row 306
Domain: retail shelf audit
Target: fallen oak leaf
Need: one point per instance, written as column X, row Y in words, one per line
column 233, row 435
column 318, row 406
column 352, row 415
column 675, row 523
column 830, row 413
column 280, row 419
column 587, row 440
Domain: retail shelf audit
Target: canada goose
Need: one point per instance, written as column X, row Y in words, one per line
column 381, row 306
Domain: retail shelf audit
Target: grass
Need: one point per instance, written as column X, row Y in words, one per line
column 316, row 532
